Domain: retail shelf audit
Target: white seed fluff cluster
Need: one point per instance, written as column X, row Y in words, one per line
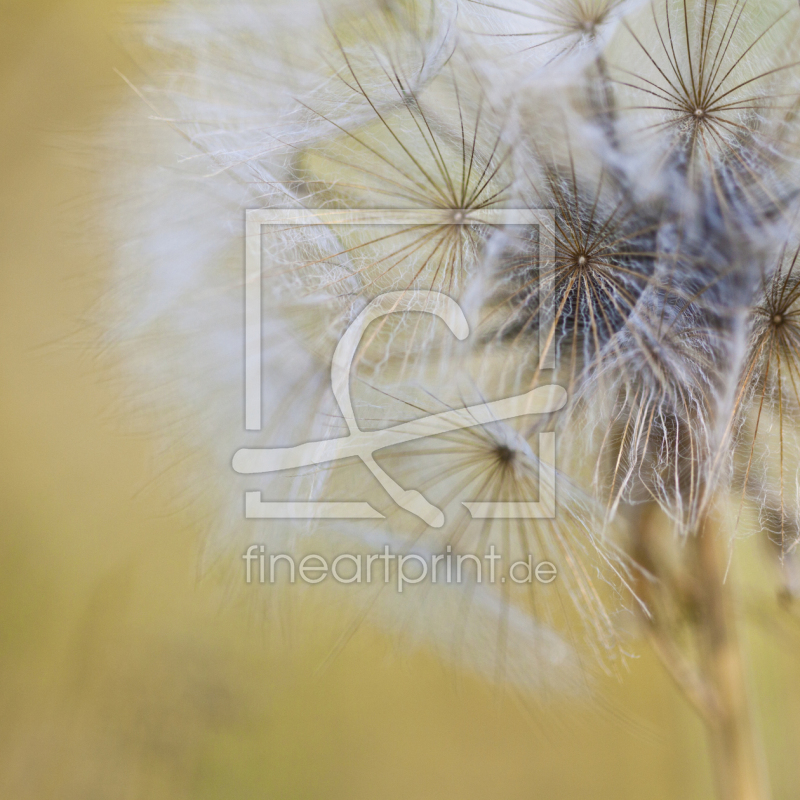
column 662, row 137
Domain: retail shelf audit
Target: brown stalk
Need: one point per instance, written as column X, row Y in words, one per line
column 713, row 680
column 735, row 751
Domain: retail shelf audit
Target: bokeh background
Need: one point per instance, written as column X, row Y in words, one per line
column 128, row 671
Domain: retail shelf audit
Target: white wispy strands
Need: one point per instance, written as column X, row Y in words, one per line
column 544, row 33
column 496, row 463
column 663, row 138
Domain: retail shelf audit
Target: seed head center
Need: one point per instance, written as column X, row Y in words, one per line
column 777, row 319
column 459, row 216
column 582, row 261
column 700, row 113
column 505, row 455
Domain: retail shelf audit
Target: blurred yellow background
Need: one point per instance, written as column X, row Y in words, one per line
column 124, row 672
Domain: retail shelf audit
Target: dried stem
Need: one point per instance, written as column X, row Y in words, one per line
column 659, row 590
column 735, row 751
column 714, row 681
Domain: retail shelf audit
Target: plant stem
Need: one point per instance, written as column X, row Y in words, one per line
column 714, row 682
column 738, row 762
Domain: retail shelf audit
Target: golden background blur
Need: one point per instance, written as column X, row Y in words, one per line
column 124, row 673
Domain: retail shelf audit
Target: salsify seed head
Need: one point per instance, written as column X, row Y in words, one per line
column 659, row 287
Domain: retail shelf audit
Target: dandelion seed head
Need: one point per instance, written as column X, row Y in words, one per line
column 713, row 83
column 660, row 136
